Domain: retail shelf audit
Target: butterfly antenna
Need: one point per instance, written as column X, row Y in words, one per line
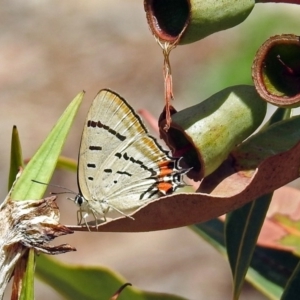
column 68, row 191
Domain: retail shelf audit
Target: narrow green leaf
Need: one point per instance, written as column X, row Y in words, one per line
column 243, row 226
column 40, row 167
column 63, row 163
column 42, row 164
column 292, row 290
column 27, row 292
column 267, row 265
column 241, row 232
column 89, row 283
column 16, row 158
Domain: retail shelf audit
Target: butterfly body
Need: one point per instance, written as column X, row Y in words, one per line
column 121, row 167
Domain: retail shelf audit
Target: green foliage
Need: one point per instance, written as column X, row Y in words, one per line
column 41, row 167
column 89, row 283
column 43, row 163
column 269, row 280
column 242, row 229
column 28, row 280
column 16, row 158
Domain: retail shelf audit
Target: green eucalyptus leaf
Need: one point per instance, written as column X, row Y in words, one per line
column 89, row 283
column 27, row 291
column 242, row 230
column 43, row 163
column 16, row 158
column 243, row 225
column 40, row 167
column 266, row 268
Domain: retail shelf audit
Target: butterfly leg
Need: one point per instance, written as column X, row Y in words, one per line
column 81, row 217
column 86, row 224
column 96, row 221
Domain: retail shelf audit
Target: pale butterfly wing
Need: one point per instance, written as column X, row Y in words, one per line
column 120, row 166
column 107, row 121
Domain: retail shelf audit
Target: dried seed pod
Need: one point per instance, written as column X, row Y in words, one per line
column 28, row 224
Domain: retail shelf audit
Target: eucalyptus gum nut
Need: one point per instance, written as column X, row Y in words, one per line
column 205, row 134
column 187, row 21
column 276, row 70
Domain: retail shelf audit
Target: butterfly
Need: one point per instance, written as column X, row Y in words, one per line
column 120, row 166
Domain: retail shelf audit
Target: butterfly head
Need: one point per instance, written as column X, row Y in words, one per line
column 79, row 200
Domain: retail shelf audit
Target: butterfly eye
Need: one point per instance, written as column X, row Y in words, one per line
column 79, row 200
